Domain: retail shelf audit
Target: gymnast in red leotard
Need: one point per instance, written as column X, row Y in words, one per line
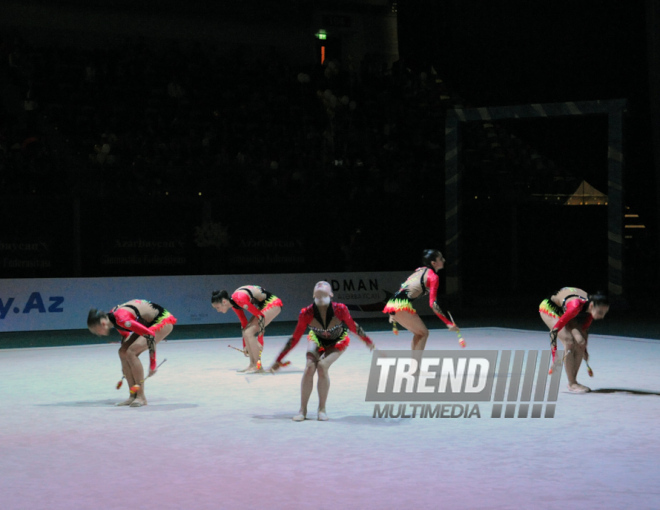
column 260, row 303
column 329, row 324
column 568, row 314
column 424, row 280
column 141, row 324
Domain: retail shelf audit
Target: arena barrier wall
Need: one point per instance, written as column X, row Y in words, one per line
column 40, row 304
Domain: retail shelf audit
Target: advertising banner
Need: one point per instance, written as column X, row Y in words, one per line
column 39, row 304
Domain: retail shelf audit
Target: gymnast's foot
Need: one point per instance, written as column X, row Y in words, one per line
column 139, row 402
column 249, row 367
column 126, row 402
column 254, row 370
column 578, row 388
column 301, row 416
column 323, row 416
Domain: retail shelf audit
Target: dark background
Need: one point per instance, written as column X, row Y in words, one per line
column 371, row 199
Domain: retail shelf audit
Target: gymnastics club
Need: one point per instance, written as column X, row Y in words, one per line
column 121, row 381
column 237, row 349
column 461, row 340
column 554, row 355
column 589, row 371
column 259, row 363
column 558, row 363
column 554, row 351
column 136, row 388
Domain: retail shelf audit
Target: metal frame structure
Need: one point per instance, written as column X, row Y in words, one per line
column 614, row 109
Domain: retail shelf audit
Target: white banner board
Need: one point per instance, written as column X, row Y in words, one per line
column 63, row 303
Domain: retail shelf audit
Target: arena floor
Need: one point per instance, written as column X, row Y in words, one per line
column 212, row 438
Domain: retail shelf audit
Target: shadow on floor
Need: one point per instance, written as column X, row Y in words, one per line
column 82, row 403
column 279, row 416
column 626, row 390
column 368, row 420
column 165, row 407
column 347, row 420
column 112, row 402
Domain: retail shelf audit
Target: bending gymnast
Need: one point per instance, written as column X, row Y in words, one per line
column 424, row 280
column 329, row 324
column 141, row 324
column 569, row 313
column 260, row 303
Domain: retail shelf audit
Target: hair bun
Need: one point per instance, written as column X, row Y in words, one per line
column 429, row 256
column 599, row 298
column 219, row 295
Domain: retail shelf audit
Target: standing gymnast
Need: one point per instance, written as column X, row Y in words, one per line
column 141, row 324
column 569, row 313
column 329, row 324
column 260, row 303
column 424, row 280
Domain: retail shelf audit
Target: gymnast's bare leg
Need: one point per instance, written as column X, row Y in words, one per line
column 413, row 323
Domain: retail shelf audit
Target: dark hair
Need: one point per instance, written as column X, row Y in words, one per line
column 599, row 298
column 429, row 256
column 218, row 295
column 94, row 317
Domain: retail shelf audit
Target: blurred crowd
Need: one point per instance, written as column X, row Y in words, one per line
column 180, row 119
column 185, row 119
column 344, row 158
column 361, row 142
